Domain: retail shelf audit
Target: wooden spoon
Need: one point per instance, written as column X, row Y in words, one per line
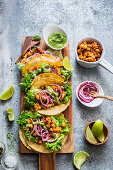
column 97, row 95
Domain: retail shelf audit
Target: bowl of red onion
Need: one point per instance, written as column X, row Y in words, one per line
column 83, row 93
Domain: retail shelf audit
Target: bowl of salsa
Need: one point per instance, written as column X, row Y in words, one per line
column 55, row 37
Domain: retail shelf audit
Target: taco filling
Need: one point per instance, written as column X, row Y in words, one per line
column 44, row 68
column 48, row 131
column 48, row 96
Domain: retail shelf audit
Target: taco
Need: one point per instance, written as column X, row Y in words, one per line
column 36, row 50
column 42, row 63
column 48, row 95
column 43, row 134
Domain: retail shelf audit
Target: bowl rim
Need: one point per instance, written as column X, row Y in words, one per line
column 85, row 104
column 99, row 42
column 55, row 25
column 97, row 144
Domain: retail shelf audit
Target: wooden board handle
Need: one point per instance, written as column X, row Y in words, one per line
column 47, row 161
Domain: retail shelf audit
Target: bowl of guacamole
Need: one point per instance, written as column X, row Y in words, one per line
column 55, row 37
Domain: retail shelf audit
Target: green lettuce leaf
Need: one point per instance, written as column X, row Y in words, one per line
column 68, row 91
column 66, row 73
column 54, row 146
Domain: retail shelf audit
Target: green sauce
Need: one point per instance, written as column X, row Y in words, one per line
column 57, row 40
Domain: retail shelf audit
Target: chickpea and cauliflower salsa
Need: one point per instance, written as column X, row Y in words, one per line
column 89, row 51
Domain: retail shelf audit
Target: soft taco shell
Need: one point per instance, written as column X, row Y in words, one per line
column 35, row 146
column 46, row 79
column 54, row 110
column 36, row 61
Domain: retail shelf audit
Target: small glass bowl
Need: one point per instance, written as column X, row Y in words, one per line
column 2, row 145
column 7, row 158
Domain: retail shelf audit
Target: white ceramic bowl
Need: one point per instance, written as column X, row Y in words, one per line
column 50, row 29
column 85, row 63
column 97, row 101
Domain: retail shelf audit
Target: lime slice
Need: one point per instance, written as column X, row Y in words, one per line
column 10, row 114
column 101, row 138
column 7, row 94
column 67, row 65
column 80, row 158
column 97, row 128
column 90, row 135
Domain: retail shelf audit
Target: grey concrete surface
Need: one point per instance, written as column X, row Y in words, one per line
column 80, row 18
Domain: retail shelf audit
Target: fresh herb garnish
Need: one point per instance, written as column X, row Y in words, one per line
column 10, row 141
column 36, row 38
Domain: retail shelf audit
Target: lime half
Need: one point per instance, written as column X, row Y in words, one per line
column 7, row 94
column 90, row 135
column 10, row 114
column 80, row 158
column 67, row 65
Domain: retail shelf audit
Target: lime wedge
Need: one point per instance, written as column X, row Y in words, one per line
column 90, row 135
column 101, row 138
column 10, row 114
column 80, row 158
column 7, row 94
column 97, row 128
column 67, row 65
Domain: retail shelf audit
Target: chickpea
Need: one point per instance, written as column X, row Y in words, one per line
column 28, row 121
column 48, row 125
column 63, row 125
column 51, row 129
column 39, row 141
column 34, row 134
column 27, row 129
column 48, row 118
column 31, row 126
column 37, row 96
column 53, row 125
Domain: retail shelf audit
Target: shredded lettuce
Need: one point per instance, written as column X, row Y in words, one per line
column 20, row 66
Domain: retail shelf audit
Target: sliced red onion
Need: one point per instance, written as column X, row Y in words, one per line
column 47, row 98
column 38, row 91
column 45, row 135
column 52, row 69
column 31, row 134
column 57, row 58
column 53, row 139
column 47, row 52
column 58, row 89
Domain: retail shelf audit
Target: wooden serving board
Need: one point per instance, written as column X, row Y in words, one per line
column 69, row 145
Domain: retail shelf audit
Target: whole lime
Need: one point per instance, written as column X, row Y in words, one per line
column 97, row 128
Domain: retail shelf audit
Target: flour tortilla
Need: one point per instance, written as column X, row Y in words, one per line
column 38, row 60
column 47, row 79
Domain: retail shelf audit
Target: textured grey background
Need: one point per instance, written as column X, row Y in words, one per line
column 80, row 18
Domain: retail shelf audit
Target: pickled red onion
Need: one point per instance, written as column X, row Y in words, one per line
column 84, row 91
